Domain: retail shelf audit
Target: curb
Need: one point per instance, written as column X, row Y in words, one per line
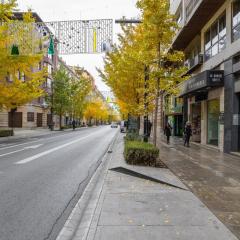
column 80, row 220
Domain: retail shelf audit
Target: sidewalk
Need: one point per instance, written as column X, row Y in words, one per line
column 26, row 133
column 214, row 177
column 20, row 133
column 124, row 202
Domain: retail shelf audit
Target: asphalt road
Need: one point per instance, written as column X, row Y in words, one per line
column 42, row 178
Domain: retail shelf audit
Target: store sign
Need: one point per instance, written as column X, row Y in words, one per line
column 204, row 80
column 215, row 78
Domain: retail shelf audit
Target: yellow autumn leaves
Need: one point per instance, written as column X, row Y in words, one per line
column 143, row 63
column 20, row 76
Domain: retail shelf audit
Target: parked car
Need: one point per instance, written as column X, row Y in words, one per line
column 123, row 126
column 114, row 125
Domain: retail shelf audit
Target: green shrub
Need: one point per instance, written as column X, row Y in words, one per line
column 140, row 153
column 6, row 132
column 133, row 137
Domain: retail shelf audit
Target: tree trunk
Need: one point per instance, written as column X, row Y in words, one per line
column 157, row 99
column 60, row 124
column 156, row 114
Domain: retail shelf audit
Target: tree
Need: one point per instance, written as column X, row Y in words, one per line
column 143, row 64
column 80, row 89
column 20, row 79
column 61, row 93
column 96, row 110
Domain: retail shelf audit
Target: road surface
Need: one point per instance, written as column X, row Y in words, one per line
column 42, row 178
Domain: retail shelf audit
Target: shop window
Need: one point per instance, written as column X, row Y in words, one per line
column 236, row 20
column 30, row 116
column 215, row 38
column 213, row 121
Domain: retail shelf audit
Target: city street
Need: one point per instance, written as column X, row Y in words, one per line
column 42, row 178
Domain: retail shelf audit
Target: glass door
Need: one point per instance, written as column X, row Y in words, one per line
column 213, row 121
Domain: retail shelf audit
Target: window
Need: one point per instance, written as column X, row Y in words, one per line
column 30, row 116
column 21, row 76
column 236, row 20
column 215, row 38
column 9, row 77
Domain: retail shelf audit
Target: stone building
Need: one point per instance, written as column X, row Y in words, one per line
column 210, row 39
column 36, row 113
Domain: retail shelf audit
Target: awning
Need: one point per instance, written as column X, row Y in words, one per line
column 203, row 82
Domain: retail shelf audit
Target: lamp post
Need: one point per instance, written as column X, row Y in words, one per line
column 52, row 52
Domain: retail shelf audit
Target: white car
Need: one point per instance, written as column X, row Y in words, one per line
column 114, row 125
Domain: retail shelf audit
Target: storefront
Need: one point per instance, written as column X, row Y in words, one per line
column 174, row 114
column 213, row 113
column 205, row 105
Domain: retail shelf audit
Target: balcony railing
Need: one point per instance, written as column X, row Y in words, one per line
column 190, row 7
column 192, row 63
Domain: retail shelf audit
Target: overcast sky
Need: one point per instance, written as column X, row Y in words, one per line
column 56, row 10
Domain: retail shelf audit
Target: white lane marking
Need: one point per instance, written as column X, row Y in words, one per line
column 34, row 146
column 29, row 159
column 20, row 150
column 17, row 145
column 9, row 153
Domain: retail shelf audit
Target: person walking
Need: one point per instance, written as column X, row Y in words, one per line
column 73, row 124
column 187, row 133
column 168, row 132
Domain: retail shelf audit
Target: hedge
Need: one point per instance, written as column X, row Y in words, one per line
column 140, row 153
column 6, row 132
column 133, row 137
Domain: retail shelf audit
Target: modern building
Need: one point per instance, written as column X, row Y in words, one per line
column 210, row 39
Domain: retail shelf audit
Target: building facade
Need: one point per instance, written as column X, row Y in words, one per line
column 36, row 113
column 210, row 39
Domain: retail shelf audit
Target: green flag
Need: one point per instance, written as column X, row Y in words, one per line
column 51, row 47
column 15, row 50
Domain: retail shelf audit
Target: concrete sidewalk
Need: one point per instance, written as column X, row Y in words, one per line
column 20, row 133
column 125, row 202
column 214, row 177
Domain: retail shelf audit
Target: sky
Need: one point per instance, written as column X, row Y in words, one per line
column 58, row 10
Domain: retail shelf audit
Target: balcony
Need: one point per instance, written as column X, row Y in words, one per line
column 193, row 63
column 192, row 5
column 198, row 13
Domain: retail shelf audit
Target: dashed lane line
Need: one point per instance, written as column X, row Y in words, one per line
column 32, row 158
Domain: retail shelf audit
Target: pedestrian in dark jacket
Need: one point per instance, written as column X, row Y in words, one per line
column 73, row 124
column 187, row 133
column 168, row 132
